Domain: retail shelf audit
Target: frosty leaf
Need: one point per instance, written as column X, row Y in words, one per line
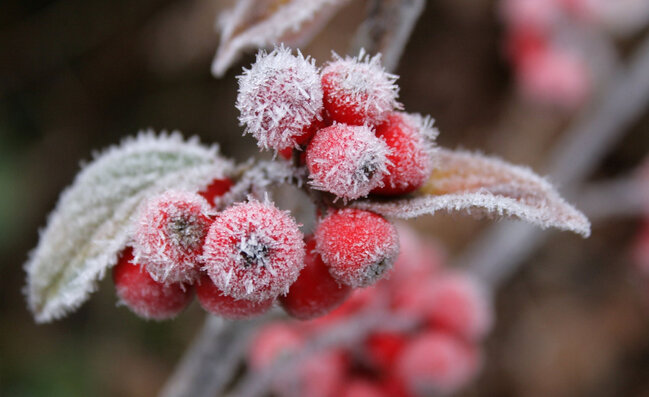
column 480, row 185
column 260, row 23
column 92, row 221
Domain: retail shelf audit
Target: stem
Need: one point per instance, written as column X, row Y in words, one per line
column 386, row 29
column 622, row 197
column 210, row 362
column 497, row 254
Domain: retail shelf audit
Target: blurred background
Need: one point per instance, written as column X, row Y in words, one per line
column 79, row 75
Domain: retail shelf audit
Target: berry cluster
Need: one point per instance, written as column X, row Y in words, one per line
column 344, row 126
column 343, row 122
column 438, row 354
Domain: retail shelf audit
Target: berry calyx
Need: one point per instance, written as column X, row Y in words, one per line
column 279, row 98
column 315, row 292
column 214, row 301
column 358, row 246
column 409, row 137
column 358, row 90
column 348, row 161
column 169, row 236
column 253, row 251
column 143, row 295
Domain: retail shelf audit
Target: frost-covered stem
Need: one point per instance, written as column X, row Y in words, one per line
column 617, row 198
column 210, row 362
column 386, row 29
column 496, row 255
column 346, row 333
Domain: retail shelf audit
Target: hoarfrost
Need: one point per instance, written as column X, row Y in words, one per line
column 483, row 185
column 279, row 98
column 93, row 217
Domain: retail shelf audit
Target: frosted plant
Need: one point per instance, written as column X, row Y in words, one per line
column 146, row 194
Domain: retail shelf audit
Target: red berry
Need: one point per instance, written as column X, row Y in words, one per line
column 322, row 374
column 215, row 302
column 279, row 98
column 272, row 343
column 383, row 348
column 460, row 305
column 417, row 259
column 409, row 137
column 358, row 246
column 169, row 236
column 253, row 251
column 360, row 387
column 216, row 188
column 315, row 292
column 437, row 363
column 358, row 90
column 348, row 161
column 143, row 295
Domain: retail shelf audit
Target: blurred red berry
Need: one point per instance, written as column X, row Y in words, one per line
column 359, row 387
column 273, row 342
column 315, row 292
column 383, row 348
column 358, row 246
column 143, row 295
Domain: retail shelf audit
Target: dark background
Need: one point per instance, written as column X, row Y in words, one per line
column 78, row 75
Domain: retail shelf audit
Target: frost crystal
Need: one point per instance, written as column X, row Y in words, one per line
column 279, row 98
column 254, row 251
column 358, row 90
column 169, row 236
column 93, row 218
column 348, row 161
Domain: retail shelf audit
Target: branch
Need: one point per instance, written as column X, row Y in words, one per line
column 386, row 29
column 622, row 197
column 497, row 254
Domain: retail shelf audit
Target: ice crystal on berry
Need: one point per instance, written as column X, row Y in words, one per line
column 358, row 90
column 348, row 161
column 253, row 251
column 279, row 98
column 169, row 235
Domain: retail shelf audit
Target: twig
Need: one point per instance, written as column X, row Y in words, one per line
column 210, row 362
column 497, row 254
column 617, row 198
column 386, row 29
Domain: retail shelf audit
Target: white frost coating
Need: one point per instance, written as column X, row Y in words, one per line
column 260, row 23
column 92, row 221
column 482, row 185
column 169, row 236
column 348, row 161
column 279, row 98
column 362, row 85
column 253, row 251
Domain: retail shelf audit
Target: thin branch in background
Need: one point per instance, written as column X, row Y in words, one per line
column 497, row 254
column 209, row 364
column 621, row 197
column 387, row 28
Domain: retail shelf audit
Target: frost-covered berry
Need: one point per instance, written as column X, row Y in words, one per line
column 169, row 235
column 272, row 343
column 410, row 139
column 253, row 251
column 279, row 98
column 437, row 363
column 358, row 90
column 315, row 292
column 216, row 188
column 358, row 246
column 348, row 161
column 143, row 295
column 460, row 305
column 215, row 302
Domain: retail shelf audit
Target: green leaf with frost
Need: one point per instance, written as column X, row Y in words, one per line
column 93, row 218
